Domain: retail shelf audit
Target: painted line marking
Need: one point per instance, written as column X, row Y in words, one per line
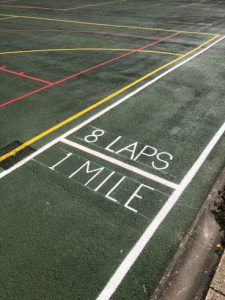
column 139, row 246
column 121, row 164
column 89, row 49
column 61, row 9
column 26, row 95
column 118, row 57
column 120, row 91
column 21, row 74
column 7, row 18
column 134, row 253
column 84, row 71
column 110, row 25
column 91, row 5
column 83, row 31
column 92, row 118
column 30, row 7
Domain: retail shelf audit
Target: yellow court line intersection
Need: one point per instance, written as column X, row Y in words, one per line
column 104, row 100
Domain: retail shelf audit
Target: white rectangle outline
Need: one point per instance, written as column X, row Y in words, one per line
column 122, row 164
column 134, row 253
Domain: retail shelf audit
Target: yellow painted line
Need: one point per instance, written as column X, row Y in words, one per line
column 8, row 18
column 111, row 25
column 97, row 4
column 87, row 49
column 100, row 102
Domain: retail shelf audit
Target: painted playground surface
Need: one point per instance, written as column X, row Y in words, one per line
column 111, row 136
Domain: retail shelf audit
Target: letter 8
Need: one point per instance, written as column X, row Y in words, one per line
column 92, row 138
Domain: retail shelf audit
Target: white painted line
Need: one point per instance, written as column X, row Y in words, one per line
column 59, row 9
column 8, row 18
column 105, row 110
column 103, row 182
column 120, row 164
column 132, row 256
column 91, row 5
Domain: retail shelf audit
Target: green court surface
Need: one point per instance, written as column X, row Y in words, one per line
column 111, row 136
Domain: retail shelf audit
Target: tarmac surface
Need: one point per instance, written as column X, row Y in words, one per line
column 111, row 138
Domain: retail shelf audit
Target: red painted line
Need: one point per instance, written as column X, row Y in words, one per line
column 85, row 71
column 83, row 31
column 24, row 96
column 115, row 59
column 21, row 74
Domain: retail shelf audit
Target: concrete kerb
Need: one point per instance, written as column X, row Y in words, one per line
column 217, row 286
column 190, row 273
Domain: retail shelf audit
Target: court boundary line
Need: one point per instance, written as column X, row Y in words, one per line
column 29, row 7
column 109, row 61
column 22, row 74
column 60, row 9
column 135, row 50
column 100, row 113
column 90, row 5
column 104, row 33
column 139, row 246
column 109, row 25
column 7, row 18
column 136, row 250
column 121, row 164
column 144, row 239
column 88, row 49
column 118, row 92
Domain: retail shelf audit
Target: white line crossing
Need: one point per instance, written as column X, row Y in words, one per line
column 105, row 110
column 121, row 164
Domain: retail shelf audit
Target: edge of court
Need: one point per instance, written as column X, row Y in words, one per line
column 107, row 25
column 134, row 253
column 101, row 101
